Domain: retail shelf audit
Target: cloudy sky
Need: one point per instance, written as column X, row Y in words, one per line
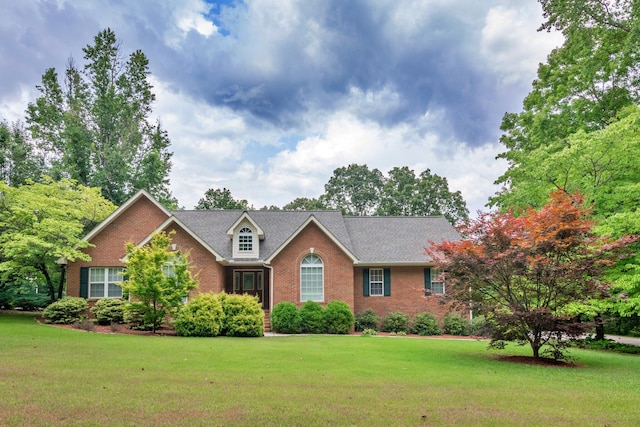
column 267, row 98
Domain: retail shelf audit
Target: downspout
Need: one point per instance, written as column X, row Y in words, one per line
column 270, row 285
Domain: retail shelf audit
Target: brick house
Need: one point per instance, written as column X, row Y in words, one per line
column 367, row 262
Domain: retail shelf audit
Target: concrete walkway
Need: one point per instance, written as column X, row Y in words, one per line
column 624, row 340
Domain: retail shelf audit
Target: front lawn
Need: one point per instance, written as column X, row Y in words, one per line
column 54, row 376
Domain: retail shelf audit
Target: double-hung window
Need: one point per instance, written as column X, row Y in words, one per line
column 103, row 282
column 376, row 282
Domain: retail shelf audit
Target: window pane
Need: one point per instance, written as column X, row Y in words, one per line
column 247, row 281
column 312, row 287
column 115, row 291
column 96, row 290
column 97, row 275
column 376, row 281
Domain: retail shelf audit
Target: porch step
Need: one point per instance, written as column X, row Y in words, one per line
column 267, row 321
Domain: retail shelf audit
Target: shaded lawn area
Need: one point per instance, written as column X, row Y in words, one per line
column 54, row 376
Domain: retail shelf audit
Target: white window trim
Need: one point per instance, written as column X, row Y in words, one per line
column 105, row 282
column 437, row 274
column 381, row 282
column 302, row 267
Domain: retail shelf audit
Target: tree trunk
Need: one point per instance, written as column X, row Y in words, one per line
column 47, row 278
column 599, row 324
column 63, row 272
column 536, row 351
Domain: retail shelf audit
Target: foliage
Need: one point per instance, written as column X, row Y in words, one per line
column 338, row 318
column 285, row 318
column 67, row 310
column 221, row 199
column 305, row 204
column 354, row 189
column 158, row 278
column 455, row 324
column 108, row 311
column 582, row 87
column 395, row 322
column 525, row 271
column 312, row 318
column 136, row 316
column 367, row 332
column 96, row 127
column 404, row 194
column 21, row 294
column 19, row 160
column 243, row 315
column 43, row 222
column 357, row 190
column 608, row 345
column 425, row 324
column 202, row 316
column 366, row 319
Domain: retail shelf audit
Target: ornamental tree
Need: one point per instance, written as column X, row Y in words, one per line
column 523, row 271
column 158, row 278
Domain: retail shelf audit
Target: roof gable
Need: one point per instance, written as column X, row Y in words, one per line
column 314, row 220
column 245, row 217
column 123, row 208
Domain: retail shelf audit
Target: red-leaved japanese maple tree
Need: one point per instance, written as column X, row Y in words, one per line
column 522, row 270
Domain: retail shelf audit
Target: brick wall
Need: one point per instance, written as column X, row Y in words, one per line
column 133, row 225
column 210, row 274
column 338, row 268
column 407, row 295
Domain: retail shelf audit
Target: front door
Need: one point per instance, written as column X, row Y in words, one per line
column 249, row 282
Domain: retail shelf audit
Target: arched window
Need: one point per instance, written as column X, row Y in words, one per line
column 311, row 278
column 245, row 240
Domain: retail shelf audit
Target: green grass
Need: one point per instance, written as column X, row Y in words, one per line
column 54, row 376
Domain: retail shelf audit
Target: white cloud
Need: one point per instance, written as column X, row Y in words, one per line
column 511, row 44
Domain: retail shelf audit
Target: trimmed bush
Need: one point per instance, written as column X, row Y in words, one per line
column 108, row 311
column 312, row 318
column 338, row 318
column 425, row 324
column 366, row 319
column 202, row 316
column 395, row 322
column 134, row 315
column 285, row 318
column 243, row 315
column 67, row 310
column 455, row 324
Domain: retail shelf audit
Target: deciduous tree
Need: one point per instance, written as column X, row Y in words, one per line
column 43, row 222
column 96, row 128
column 524, row 271
column 221, row 199
column 158, row 278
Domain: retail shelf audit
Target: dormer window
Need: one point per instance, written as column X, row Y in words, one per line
column 245, row 240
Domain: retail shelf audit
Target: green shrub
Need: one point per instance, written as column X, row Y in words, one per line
column 201, row 317
column 68, row 310
column 395, row 322
column 338, row 318
column 311, row 318
column 21, row 294
column 108, row 311
column 455, row 324
column 135, row 315
column 481, row 327
column 369, row 332
column 285, row 318
column 425, row 324
column 366, row 320
column 243, row 315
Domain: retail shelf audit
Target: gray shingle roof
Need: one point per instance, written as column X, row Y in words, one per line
column 370, row 239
